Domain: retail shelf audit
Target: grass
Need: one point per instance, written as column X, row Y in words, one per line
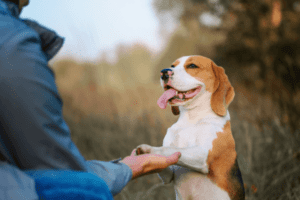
column 108, row 118
column 266, row 158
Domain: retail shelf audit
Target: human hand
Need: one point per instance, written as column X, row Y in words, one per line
column 149, row 163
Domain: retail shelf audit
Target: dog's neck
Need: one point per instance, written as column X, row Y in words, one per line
column 198, row 109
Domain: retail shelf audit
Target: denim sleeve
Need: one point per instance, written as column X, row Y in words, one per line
column 33, row 133
column 15, row 184
column 115, row 174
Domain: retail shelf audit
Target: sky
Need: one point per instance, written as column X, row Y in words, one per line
column 93, row 26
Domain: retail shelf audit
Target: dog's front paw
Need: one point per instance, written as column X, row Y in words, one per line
column 144, row 149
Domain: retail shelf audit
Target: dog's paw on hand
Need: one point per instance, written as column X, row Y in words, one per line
column 144, row 149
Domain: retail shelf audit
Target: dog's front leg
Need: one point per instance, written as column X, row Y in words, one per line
column 191, row 157
column 167, row 175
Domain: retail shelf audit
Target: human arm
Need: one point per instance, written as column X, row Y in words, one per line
column 114, row 173
column 34, row 134
column 149, row 163
column 119, row 172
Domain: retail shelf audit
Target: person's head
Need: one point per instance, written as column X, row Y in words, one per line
column 23, row 3
column 20, row 3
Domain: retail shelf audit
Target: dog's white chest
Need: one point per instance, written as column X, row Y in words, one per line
column 196, row 135
column 201, row 133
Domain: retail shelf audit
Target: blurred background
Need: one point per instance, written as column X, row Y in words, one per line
column 108, row 76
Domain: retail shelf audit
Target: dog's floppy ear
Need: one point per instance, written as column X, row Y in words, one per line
column 175, row 110
column 223, row 92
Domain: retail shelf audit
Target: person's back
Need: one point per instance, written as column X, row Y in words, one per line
column 34, row 137
column 24, row 77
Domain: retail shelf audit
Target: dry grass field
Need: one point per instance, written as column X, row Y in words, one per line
column 111, row 108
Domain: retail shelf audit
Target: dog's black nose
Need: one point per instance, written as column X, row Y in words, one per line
column 165, row 74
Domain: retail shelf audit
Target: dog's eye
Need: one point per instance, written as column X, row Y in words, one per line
column 192, row 66
column 172, row 66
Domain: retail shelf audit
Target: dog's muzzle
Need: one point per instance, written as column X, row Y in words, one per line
column 165, row 74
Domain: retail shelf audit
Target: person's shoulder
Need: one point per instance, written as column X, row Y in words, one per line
column 16, row 38
column 13, row 30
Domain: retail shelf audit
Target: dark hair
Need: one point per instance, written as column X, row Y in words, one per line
column 14, row 1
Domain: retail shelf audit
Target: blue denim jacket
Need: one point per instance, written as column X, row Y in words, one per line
column 33, row 133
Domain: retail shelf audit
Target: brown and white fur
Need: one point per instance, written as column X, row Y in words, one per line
column 207, row 168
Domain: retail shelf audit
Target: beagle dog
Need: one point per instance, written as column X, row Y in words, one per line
column 199, row 90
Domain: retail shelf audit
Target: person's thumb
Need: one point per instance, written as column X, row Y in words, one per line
column 173, row 159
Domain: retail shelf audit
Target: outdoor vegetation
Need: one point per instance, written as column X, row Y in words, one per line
column 111, row 106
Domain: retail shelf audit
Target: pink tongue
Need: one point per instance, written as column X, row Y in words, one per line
column 163, row 100
column 192, row 94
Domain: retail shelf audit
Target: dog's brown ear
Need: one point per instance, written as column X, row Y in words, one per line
column 223, row 92
column 175, row 110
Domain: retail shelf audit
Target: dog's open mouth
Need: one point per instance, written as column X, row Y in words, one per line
column 174, row 96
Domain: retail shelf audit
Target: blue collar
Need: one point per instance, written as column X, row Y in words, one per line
column 12, row 8
column 51, row 42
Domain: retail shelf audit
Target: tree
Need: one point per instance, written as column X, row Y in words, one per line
column 265, row 33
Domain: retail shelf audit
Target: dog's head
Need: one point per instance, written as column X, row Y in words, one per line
column 189, row 78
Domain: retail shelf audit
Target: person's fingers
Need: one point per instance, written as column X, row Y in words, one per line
column 173, row 159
